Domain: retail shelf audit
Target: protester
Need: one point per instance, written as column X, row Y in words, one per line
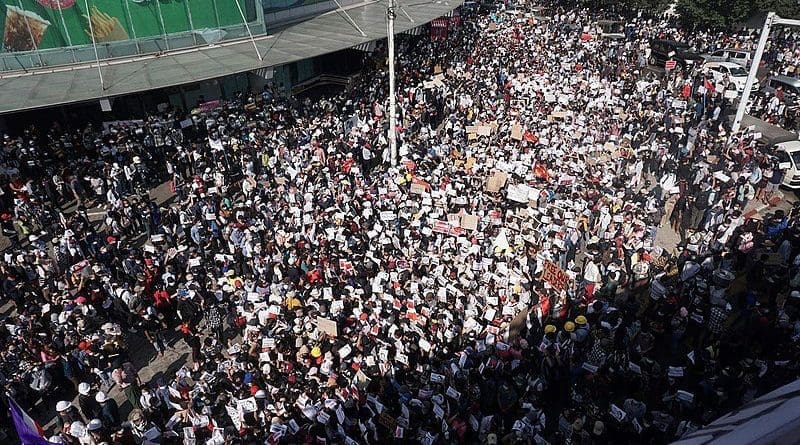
column 510, row 281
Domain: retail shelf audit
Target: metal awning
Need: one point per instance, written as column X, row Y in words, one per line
column 323, row 34
column 415, row 31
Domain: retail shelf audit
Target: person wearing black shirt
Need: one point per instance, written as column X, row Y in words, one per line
column 699, row 207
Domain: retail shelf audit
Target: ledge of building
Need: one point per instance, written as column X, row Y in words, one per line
column 326, row 33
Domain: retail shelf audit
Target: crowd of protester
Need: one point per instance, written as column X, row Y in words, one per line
column 501, row 284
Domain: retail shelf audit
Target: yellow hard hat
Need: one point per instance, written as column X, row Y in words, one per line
column 316, row 352
column 549, row 329
column 569, row 326
column 580, row 319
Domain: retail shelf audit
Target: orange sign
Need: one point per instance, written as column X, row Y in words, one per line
column 554, row 275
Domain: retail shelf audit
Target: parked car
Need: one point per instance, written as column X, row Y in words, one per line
column 681, row 53
column 730, row 71
column 738, row 56
column 788, row 154
column 789, row 85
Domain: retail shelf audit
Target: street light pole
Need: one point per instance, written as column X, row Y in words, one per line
column 390, row 14
column 772, row 19
column 751, row 77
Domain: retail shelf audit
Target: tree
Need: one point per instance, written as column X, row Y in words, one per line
column 726, row 14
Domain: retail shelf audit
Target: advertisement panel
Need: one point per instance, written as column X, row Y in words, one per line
column 45, row 24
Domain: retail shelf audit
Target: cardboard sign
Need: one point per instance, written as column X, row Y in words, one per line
column 554, row 275
column 516, row 132
column 469, row 222
column 327, row 326
column 386, row 420
column 388, row 216
column 470, row 163
column 496, row 181
column 485, row 130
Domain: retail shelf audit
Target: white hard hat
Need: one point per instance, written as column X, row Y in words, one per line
column 94, row 424
column 100, row 397
column 77, row 429
column 84, row 388
column 63, row 405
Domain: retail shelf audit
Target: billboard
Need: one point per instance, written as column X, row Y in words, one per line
column 45, row 24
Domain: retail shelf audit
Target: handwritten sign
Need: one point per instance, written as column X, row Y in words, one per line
column 554, row 275
column 327, row 326
column 445, row 228
column 418, row 189
column 518, row 193
column 386, row 420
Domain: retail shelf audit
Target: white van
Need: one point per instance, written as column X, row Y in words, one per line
column 788, row 154
column 737, row 56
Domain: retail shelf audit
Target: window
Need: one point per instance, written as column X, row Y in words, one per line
column 718, row 53
column 796, row 158
column 738, row 71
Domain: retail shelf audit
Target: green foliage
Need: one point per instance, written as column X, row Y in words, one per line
column 650, row 6
column 726, row 14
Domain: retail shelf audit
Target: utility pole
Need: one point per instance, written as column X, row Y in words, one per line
column 391, row 14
